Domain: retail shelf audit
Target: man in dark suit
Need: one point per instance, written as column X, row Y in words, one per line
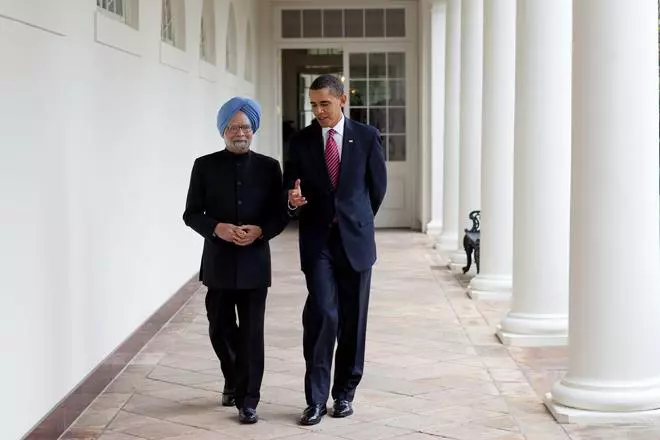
column 336, row 178
column 234, row 202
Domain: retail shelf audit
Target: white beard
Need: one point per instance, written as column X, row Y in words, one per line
column 238, row 147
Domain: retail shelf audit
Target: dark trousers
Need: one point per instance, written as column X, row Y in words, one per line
column 240, row 348
column 336, row 310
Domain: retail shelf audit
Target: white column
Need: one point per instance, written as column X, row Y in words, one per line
column 438, row 63
column 448, row 240
column 614, row 355
column 472, row 60
column 539, row 310
column 494, row 280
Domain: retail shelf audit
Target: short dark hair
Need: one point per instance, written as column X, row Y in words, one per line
column 329, row 82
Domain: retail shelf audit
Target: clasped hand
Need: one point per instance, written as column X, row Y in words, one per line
column 239, row 235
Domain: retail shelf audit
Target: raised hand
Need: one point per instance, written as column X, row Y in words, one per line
column 296, row 198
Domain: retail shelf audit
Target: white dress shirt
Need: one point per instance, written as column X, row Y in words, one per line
column 338, row 136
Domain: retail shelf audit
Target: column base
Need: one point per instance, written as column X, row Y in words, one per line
column 457, row 268
column 457, row 260
column 607, row 396
column 490, row 287
column 457, row 256
column 565, row 414
column 517, row 340
column 447, row 241
column 533, row 330
column 434, row 229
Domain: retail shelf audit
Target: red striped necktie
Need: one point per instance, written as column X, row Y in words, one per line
column 332, row 158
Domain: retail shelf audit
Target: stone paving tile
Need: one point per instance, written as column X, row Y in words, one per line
column 434, row 368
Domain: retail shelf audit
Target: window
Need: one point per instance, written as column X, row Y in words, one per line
column 330, row 51
column 343, row 23
column 173, row 23
column 249, row 55
column 377, row 96
column 113, row 6
column 122, row 10
column 167, row 29
column 231, row 54
column 207, row 34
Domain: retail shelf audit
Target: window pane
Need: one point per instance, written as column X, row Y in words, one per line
column 312, row 23
column 357, row 65
column 374, row 20
column 378, row 118
column 359, row 114
column 397, row 121
column 291, row 25
column 396, row 149
column 353, row 23
column 378, row 93
column 333, row 23
column 396, row 65
column 397, row 92
column 376, row 65
column 358, row 93
column 119, row 7
column 395, row 23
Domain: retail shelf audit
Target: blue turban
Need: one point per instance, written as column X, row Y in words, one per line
column 233, row 106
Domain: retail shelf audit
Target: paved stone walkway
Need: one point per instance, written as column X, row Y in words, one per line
column 434, row 369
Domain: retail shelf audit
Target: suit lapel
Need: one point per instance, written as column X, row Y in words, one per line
column 348, row 147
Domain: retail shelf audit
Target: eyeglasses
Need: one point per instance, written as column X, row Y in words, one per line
column 234, row 129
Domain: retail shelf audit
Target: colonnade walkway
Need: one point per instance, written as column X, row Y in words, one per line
column 434, row 369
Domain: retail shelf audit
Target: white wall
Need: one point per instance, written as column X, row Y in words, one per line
column 97, row 145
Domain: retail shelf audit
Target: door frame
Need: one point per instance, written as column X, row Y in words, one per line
column 347, row 45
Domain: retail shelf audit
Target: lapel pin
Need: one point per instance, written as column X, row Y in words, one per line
column 350, row 141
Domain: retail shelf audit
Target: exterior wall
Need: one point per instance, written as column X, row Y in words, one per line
column 99, row 126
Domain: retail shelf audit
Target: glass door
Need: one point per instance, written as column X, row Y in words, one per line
column 378, row 95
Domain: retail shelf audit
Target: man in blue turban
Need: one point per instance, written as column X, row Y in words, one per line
column 229, row 110
column 234, row 202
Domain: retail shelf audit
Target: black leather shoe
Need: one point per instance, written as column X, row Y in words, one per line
column 247, row 416
column 313, row 414
column 228, row 397
column 342, row 408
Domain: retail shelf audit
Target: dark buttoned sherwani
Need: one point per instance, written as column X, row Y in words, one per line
column 241, row 190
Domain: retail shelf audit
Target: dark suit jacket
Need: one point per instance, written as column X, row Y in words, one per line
column 241, row 190
column 360, row 192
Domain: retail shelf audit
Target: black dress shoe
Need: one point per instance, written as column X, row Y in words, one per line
column 228, row 397
column 247, row 415
column 342, row 408
column 313, row 414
